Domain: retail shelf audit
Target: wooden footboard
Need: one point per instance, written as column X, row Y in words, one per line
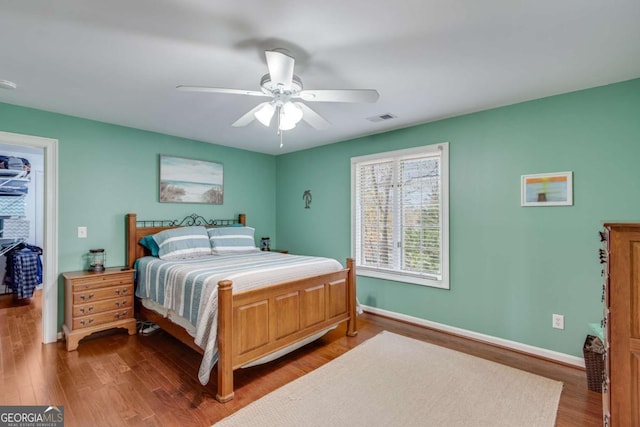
column 253, row 324
column 256, row 323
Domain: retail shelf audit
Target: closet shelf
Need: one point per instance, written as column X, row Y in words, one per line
column 14, row 182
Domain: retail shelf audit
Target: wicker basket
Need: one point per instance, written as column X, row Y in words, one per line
column 594, row 364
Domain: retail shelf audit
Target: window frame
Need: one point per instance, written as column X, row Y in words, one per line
column 398, row 275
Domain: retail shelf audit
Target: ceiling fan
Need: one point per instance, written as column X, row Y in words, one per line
column 286, row 92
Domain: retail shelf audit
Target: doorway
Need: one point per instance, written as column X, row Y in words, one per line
column 49, row 149
column 21, row 220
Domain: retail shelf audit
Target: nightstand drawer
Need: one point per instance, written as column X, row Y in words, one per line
column 87, row 283
column 100, row 318
column 104, row 305
column 100, row 294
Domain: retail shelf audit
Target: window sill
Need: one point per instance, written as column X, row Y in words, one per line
column 404, row 278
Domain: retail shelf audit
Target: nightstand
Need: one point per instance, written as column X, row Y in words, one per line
column 97, row 301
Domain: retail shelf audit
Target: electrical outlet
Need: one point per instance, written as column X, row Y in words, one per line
column 82, row 232
column 557, row 321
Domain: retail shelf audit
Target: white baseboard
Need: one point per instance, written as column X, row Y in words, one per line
column 59, row 336
column 525, row 348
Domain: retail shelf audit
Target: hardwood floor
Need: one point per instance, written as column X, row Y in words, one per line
column 116, row 380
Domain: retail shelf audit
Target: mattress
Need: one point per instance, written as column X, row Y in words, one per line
column 186, row 291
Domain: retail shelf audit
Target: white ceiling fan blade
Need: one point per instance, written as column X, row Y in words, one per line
column 280, row 67
column 220, row 90
column 340, row 95
column 314, row 119
column 248, row 117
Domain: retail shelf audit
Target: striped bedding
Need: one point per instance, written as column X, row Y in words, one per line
column 189, row 287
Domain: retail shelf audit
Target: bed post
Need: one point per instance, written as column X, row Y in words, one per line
column 242, row 219
column 352, row 327
column 131, row 240
column 225, row 341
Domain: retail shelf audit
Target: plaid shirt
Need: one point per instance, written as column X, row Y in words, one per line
column 24, row 270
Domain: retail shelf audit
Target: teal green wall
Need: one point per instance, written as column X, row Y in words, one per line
column 106, row 171
column 511, row 266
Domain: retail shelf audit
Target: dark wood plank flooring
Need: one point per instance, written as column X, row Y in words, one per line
column 117, row 380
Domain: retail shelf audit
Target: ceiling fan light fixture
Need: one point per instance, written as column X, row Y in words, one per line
column 282, row 86
column 292, row 112
column 265, row 114
column 285, row 123
column 289, row 115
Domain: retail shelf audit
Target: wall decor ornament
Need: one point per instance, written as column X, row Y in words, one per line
column 185, row 180
column 307, row 199
column 547, row 189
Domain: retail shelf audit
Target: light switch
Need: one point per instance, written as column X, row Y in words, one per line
column 82, row 232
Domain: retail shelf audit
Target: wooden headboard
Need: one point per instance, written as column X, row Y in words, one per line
column 136, row 229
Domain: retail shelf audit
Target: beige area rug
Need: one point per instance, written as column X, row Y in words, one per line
column 391, row 380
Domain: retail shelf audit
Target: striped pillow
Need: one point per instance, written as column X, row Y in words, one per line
column 231, row 240
column 183, row 242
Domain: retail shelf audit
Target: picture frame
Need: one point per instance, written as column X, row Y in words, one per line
column 547, row 189
column 185, row 180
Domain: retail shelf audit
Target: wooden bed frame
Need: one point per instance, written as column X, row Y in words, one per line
column 253, row 324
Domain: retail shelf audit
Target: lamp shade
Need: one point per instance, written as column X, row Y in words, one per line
column 292, row 112
column 265, row 114
column 290, row 115
column 285, row 123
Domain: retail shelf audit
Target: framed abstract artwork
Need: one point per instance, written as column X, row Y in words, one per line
column 547, row 189
column 185, row 180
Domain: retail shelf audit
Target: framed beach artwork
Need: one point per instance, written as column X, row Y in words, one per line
column 547, row 189
column 185, row 180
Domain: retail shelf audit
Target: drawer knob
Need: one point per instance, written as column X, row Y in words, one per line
column 121, row 304
column 85, row 322
column 86, row 297
column 123, row 314
column 122, row 291
column 88, row 310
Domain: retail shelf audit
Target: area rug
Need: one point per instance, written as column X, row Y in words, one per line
column 392, row 380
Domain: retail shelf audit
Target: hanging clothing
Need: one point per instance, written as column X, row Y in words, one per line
column 24, row 270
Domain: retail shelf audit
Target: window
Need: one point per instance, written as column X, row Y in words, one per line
column 400, row 215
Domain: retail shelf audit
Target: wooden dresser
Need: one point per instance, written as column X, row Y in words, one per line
column 621, row 386
column 96, row 301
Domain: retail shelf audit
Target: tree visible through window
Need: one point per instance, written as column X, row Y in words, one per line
column 400, row 214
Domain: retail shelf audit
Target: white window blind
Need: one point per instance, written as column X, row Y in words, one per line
column 400, row 215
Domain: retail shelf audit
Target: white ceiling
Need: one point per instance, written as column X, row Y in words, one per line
column 119, row 61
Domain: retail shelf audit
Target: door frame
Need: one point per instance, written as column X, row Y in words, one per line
column 50, row 245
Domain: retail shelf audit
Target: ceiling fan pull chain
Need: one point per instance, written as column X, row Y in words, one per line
column 279, row 130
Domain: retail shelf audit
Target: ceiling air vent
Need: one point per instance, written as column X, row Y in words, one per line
column 6, row 84
column 381, row 117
